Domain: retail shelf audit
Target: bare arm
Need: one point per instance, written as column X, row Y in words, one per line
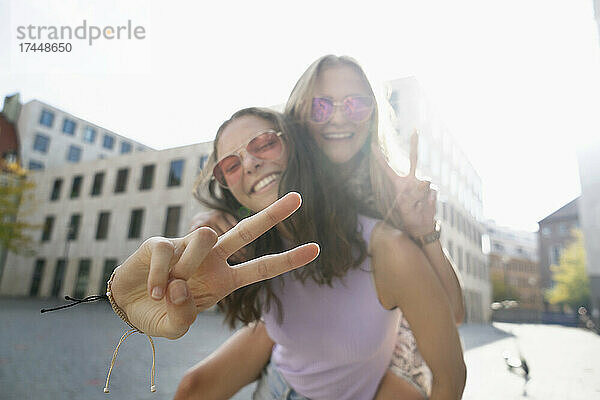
column 413, row 211
column 409, row 282
column 235, row 364
column 446, row 273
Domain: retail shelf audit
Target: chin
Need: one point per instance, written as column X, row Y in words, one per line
column 338, row 156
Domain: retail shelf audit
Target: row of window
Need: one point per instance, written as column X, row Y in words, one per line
column 89, row 133
column 82, row 280
column 467, row 262
column 146, row 182
column 563, row 228
column 134, row 231
column 41, row 144
column 461, row 223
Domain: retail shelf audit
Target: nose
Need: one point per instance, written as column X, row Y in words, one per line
column 250, row 163
column 338, row 117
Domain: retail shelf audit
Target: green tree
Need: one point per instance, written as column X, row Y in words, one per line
column 15, row 193
column 572, row 285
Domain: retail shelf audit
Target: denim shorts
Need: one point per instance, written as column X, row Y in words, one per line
column 272, row 386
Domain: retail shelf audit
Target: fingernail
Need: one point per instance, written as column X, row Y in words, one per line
column 157, row 293
column 179, row 293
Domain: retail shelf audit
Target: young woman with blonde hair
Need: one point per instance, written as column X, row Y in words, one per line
column 349, row 141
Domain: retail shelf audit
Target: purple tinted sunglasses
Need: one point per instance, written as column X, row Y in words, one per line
column 356, row 109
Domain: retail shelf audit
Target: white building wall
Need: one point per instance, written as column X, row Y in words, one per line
column 29, row 125
column 442, row 161
column 513, row 243
column 18, row 272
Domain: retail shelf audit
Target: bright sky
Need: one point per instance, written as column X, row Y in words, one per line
column 517, row 83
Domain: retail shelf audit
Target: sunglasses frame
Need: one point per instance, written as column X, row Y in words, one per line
column 337, row 104
column 237, row 151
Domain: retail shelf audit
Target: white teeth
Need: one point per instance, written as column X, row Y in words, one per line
column 338, row 135
column 264, row 182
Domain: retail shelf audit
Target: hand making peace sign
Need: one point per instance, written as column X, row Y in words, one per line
column 167, row 282
column 415, row 199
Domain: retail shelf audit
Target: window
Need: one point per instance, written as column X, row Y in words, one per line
column 102, row 226
column 546, row 230
column 459, row 258
column 35, row 165
column 172, row 221
column 121, row 184
column 125, row 147
column 89, row 134
column 56, row 187
column 74, row 154
column 108, row 142
column 562, row 228
column 47, row 118
column 135, row 223
column 34, row 289
column 68, row 127
column 175, row 173
column 74, row 227
column 41, row 143
column 76, row 186
column 147, row 177
column 97, row 184
column 555, row 255
column 59, row 276
column 83, row 276
column 48, row 226
column 109, row 266
column 203, row 159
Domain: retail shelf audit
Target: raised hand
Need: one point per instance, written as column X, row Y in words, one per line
column 415, row 199
column 166, row 282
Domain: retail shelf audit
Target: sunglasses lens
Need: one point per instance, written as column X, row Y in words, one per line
column 322, row 109
column 228, row 170
column 266, row 146
column 358, row 109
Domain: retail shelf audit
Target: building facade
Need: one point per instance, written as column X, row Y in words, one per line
column 460, row 188
column 554, row 235
column 589, row 212
column 50, row 137
column 513, row 261
column 94, row 214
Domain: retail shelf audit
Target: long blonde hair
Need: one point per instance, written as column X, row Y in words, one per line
column 370, row 188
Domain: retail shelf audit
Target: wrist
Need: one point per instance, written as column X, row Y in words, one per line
column 430, row 237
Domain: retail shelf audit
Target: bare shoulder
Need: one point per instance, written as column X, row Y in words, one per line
column 392, row 246
column 397, row 263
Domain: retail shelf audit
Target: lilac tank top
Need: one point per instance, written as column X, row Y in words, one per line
column 334, row 342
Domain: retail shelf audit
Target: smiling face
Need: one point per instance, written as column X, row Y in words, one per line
column 258, row 185
column 340, row 138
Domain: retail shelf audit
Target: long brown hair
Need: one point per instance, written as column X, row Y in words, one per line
column 324, row 218
column 369, row 187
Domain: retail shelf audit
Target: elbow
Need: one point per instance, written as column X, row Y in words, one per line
column 192, row 385
column 459, row 314
column 450, row 382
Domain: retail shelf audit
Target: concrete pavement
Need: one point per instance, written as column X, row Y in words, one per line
column 66, row 354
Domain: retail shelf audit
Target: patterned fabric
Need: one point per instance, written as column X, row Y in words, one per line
column 408, row 363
